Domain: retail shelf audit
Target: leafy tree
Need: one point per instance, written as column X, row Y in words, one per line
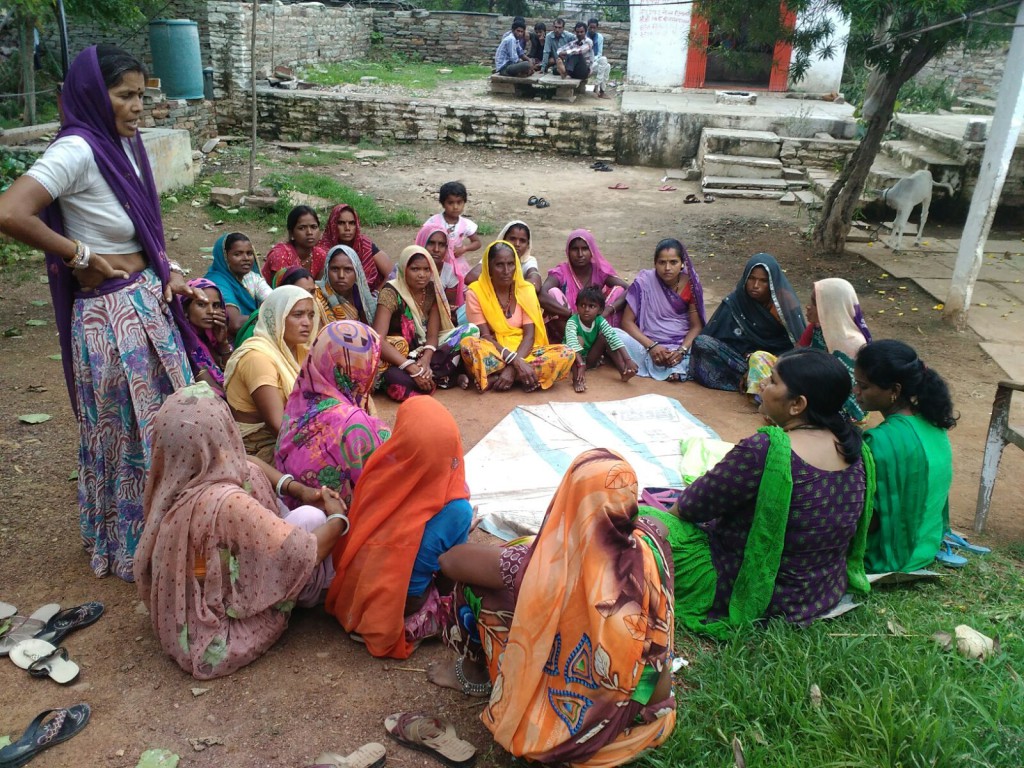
column 898, row 38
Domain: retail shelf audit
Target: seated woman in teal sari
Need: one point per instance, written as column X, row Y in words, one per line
column 912, row 453
column 778, row 527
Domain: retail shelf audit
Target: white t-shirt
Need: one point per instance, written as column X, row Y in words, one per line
column 91, row 211
column 448, row 277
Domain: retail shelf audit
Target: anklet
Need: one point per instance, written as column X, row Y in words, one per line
column 468, row 688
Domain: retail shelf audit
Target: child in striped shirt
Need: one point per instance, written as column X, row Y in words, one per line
column 591, row 337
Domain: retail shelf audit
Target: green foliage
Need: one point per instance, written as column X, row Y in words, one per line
column 887, row 698
column 371, row 214
column 393, row 70
column 12, row 165
column 925, row 96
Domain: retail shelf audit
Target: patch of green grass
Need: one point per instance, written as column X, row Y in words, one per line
column 886, row 699
column 394, row 71
column 371, row 213
column 315, row 158
column 486, row 228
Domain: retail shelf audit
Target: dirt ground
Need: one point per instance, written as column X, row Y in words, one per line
column 317, row 690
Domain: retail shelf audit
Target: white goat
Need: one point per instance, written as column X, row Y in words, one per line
column 904, row 196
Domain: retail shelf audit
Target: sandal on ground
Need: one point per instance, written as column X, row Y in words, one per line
column 371, row 755
column 42, row 659
column 691, row 198
column 958, row 541
column 542, row 203
column 61, row 726
column 64, row 623
column 24, row 627
column 431, row 735
column 596, row 164
column 666, row 188
column 662, row 499
column 533, row 200
column 946, row 557
column 619, row 185
column 708, row 197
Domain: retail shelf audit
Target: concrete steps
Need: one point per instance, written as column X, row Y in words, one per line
column 743, row 166
column 726, row 141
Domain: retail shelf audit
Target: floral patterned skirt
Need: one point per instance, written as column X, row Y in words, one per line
column 551, row 363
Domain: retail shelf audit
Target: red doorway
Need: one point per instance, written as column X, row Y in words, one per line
column 761, row 69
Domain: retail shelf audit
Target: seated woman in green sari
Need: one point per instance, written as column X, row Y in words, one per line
column 778, row 527
column 912, row 453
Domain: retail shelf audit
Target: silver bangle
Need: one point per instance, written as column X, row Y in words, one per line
column 343, row 518
column 174, row 266
column 406, row 364
column 287, row 477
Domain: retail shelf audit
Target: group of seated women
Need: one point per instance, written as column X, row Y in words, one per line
column 332, row 505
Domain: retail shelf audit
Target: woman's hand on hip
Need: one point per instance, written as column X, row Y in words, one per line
column 101, row 266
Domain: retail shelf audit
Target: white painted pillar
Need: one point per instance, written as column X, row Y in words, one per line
column 1006, row 125
column 658, row 36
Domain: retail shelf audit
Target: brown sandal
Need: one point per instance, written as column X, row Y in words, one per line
column 432, row 735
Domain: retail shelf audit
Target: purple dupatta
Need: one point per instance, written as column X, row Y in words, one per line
column 661, row 313
column 87, row 113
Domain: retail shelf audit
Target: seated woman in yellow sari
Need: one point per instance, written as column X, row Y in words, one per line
column 570, row 636
column 513, row 344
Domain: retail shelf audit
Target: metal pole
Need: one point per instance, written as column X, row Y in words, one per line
column 62, row 25
column 1006, row 126
column 252, row 80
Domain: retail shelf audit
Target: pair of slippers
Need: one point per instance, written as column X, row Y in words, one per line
column 539, row 202
column 708, row 198
column 424, row 733
column 947, row 557
column 48, row 729
column 33, row 642
column 600, row 166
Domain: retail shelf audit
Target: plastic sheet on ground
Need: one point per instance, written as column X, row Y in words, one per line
column 514, row 470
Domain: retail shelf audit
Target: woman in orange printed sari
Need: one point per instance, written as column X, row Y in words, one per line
column 570, row 636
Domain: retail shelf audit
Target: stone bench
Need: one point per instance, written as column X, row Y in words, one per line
column 553, row 86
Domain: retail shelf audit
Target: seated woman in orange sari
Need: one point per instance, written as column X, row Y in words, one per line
column 571, row 636
column 410, row 506
column 513, row 343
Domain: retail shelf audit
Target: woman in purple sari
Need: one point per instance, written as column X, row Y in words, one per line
column 90, row 203
column 664, row 313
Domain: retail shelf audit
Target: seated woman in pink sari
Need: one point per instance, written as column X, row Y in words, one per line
column 328, row 432
column 218, row 567
column 584, row 265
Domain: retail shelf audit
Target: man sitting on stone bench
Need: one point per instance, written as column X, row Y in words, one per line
column 552, row 43
column 510, row 59
column 575, row 59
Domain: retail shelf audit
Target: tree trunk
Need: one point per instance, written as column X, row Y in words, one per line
column 28, row 72
column 829, row 236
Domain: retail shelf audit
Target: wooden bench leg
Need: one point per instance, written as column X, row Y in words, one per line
column 995, row 442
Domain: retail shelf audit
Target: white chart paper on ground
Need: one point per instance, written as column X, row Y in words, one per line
column 514, row 470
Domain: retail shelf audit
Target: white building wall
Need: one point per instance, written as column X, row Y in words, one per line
column 825, row 75
column 658, row 36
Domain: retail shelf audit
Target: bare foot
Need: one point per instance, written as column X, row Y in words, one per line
column 442, row 673
column 580, row 386
column 628, row 374
column 462, row 380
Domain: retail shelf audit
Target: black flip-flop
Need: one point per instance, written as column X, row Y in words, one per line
column 67, row 621
column 533, row 200
column 691, row 199
column 604, row 167
column 542, row 203
column 64, row 724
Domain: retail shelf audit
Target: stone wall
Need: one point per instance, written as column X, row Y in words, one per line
column 286, row 35
column 318, row 116
column 828, row 154
column 977, row 73
column 196, row 116
column 457, row 37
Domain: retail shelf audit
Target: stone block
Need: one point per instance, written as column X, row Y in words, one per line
column 229, row 197
column 260, row 201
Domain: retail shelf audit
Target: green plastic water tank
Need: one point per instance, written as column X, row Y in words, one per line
column 176, row 61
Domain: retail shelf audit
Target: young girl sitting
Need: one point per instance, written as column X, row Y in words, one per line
column 206, row 315
column 590, row 336
column 237, row 277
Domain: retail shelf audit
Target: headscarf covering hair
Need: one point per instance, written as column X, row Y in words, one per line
column 206, row 341
column 365, row 299
column 842, row 323
column 205, row 505
column 526, row 297
column 231, row 289
column 457, row 265
column 87, row 113
column 503, row 235
column 597, row 568
column 402, row 287
column 326, row 434
column 601, row 269
column 361, row 244
column 404, row 484
column 268, row 337
column 289, row 276
column 747, row 325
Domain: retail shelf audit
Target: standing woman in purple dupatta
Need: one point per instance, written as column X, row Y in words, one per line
column 90, row 203
column 664, row 314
